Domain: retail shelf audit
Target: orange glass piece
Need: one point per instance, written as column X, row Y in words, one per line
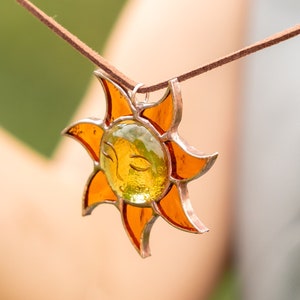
column 117, row 102
column 97, row 191
column 175, row 207
column 186, row 165
column 161, row 115
column 89, row 135
column 138, row 222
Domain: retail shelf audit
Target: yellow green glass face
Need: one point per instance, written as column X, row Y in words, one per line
column 135, row 162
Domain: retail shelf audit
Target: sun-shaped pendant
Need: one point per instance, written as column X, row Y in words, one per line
column 140, row 163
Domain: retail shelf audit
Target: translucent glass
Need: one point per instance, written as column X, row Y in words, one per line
column 138, row 222
column 171, row 208
column 184, row 164
column 97, row 191
column 89, row 135
column 161, row 115
column 117, row 103
column 135, row 162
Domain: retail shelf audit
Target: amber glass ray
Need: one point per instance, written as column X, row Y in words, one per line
column 117, row 102
column 161, row 115
column 89, row 135
column 172, row 208
column 97, row 191
column 138, row 222
column 186, row 165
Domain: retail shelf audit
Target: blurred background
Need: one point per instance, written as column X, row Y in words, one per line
column 42, row 81
column 42, row 78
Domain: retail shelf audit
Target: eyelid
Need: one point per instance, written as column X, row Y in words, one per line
column 138, row 168
column 107, row 155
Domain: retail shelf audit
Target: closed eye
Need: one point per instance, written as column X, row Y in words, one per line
column 107, row 155
column 111, row 158
column 140, row 163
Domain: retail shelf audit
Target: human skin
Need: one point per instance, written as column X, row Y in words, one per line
column 50, row 252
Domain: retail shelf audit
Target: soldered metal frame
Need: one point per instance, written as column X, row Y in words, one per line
column 90, row 132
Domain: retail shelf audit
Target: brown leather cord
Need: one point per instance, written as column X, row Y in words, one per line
column 119, row 77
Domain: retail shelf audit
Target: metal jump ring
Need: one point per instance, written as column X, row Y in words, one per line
column 134, row 91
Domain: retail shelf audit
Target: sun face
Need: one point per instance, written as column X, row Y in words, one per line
column 141, row 165
column 135, row 162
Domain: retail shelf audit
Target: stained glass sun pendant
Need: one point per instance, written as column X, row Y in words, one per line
column 141, row 165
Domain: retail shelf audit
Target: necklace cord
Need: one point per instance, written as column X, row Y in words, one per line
column 122, row 79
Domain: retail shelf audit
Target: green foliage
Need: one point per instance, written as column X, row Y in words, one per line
column 227, row 289
column 43, row 79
